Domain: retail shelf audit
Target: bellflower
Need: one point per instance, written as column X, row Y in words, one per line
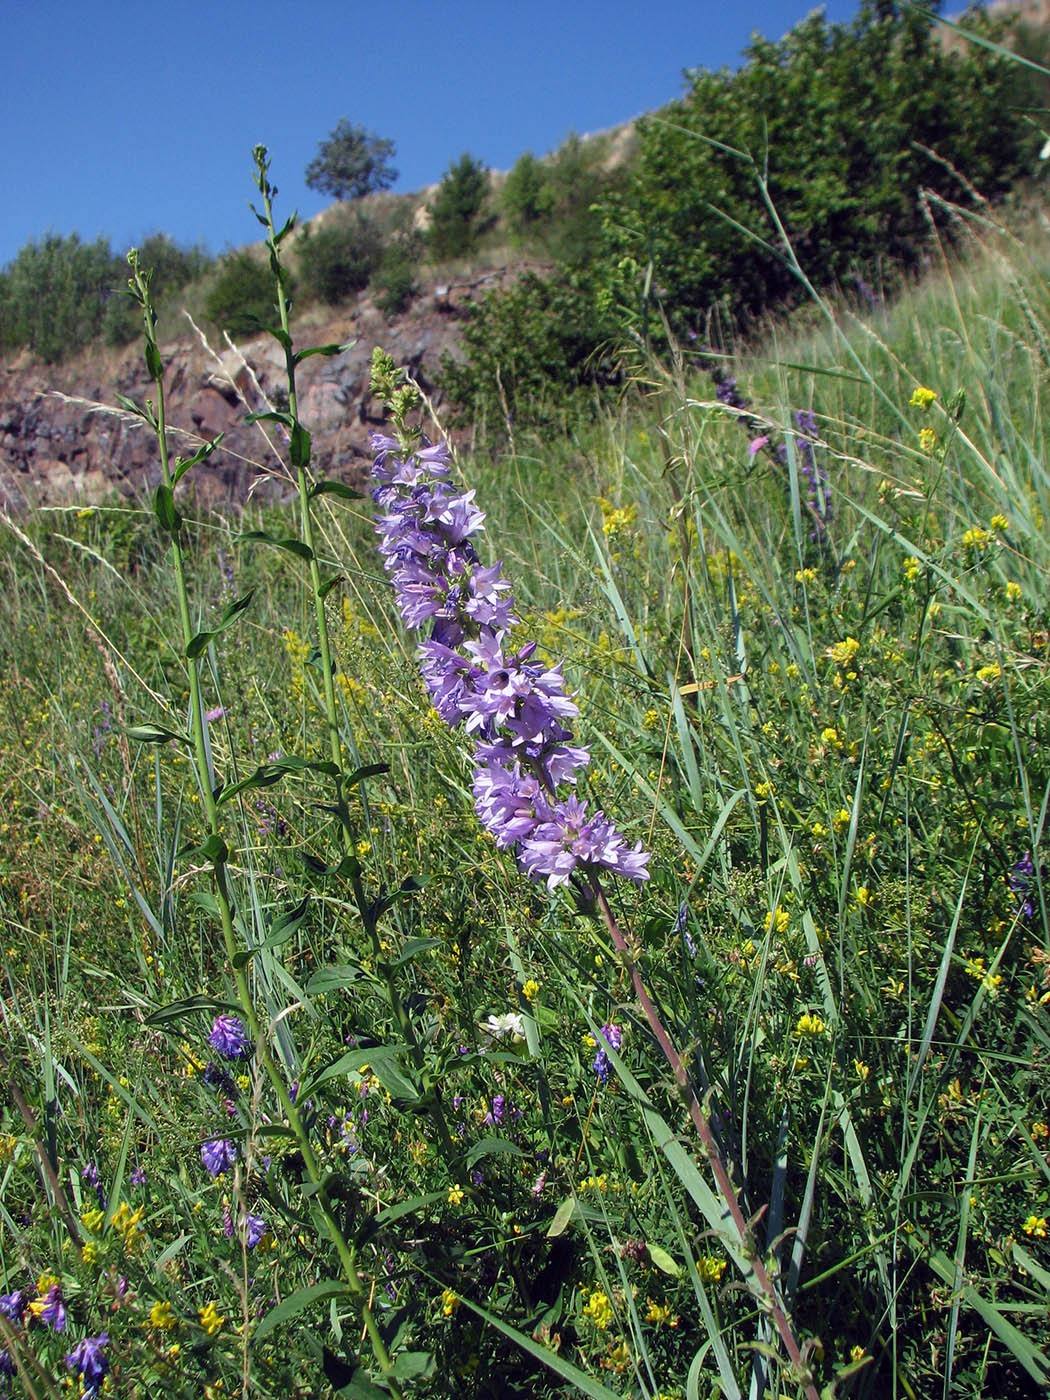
column 515, row 708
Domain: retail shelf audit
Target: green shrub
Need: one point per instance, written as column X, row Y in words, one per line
column 395, row 282
column 526, row 196
column 530, row 350
column 241, row 300
column 338, row 261
column 458, row 214
column 840, row 122
column 55, row 294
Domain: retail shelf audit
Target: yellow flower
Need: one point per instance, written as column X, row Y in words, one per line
column 862, row 1069
column 1013, row 590
column 989, row 673
column 998, row 524
column 975, row 538
column 807, row 576
column 843, row 652
column 763, row 791
column 658, row 1312
column 599, row 1310
column 92, row 1220
column 927, row 439
column 841, row 819
column 449, row 1302
column 921, row 397
column 531, row 990
column 210, row 1319
column 912, row 568
column 1039, row 1130
column 778, row 920
column 1036, row 1225
column 710, row 1268
column 456, row 1195
column 863, row 896
column 809, row 1025
column 162, row 1317
column 858, row 1353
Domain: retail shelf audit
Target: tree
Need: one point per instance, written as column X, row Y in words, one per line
column 456, row 221
column 352, row 162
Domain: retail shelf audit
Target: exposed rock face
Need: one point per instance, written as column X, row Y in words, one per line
column 62, row 437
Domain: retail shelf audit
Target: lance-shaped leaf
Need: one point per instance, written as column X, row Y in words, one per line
column 183, row 464
column 339, row 489
column 267, row 774
column 199, row 643
column 298, row 1302
column 154, row 734
column 164, row 509
column 291, row 546
column 301, row 355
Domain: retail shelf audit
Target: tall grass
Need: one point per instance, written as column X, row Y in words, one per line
column 832, row 736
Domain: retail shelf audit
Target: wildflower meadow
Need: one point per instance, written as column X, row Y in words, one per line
column 563, row 918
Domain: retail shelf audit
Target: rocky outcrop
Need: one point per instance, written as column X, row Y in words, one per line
column 64, row 438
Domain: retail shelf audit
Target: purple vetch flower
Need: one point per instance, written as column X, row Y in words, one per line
column 612, row 1035
column 1022, row 882
column 254, row 1227
column 756, row 445
column 228, row 1038
column 218, row 1155
column 212, row 715
column 139, row 1177
column 87, row 1362
column 515, row 707
column 51, row 1308
column 12, row 1305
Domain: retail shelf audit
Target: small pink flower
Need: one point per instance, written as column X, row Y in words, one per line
column 756, row 445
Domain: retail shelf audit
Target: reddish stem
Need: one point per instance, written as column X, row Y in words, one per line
column 714, row 1158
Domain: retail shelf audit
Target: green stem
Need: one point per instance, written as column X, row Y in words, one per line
column 223, row 897
column 306, row 526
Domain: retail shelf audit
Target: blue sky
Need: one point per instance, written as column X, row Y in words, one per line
column 122, row 120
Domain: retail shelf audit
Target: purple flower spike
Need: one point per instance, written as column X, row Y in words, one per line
column 53, row 1309
column 228, row 1038
column 218, row 1156
column 612, row 1036
column 516, row 708
column 87, row 1362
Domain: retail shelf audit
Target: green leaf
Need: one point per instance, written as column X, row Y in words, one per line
column 199, row 643
column 280, row 932
column 154, row 734
column 289, row 224
column 154, row 364
column 332, row 979
column 488, row 1147
column 298, row 1302
column 368, row 770
column 267, row 774
column 361, row 1386
column 183, row 464
column 291, row 546
column 215, row 849
column 334, row 488
column 329, row 584
column 271, row 416
column 189, row 1006
column 562, row 1216
column 301, row 355
column 417, row 1203
column 663, row 1260
column 409, row 1364
column 164, row 509
column 299, row 447
column 412, row 949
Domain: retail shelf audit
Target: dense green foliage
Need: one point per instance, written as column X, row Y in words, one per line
column 829, row 724
column 352, row 163
column 240, row 299
column 831, row 151
column 341, row 258
column 459, row 210
column 60, row 294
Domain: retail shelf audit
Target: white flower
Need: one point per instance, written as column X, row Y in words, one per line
column 510, row 1023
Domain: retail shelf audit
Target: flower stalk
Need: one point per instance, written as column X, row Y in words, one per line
column 215, row 847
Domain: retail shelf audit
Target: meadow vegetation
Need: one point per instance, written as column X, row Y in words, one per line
column 310, row 1089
